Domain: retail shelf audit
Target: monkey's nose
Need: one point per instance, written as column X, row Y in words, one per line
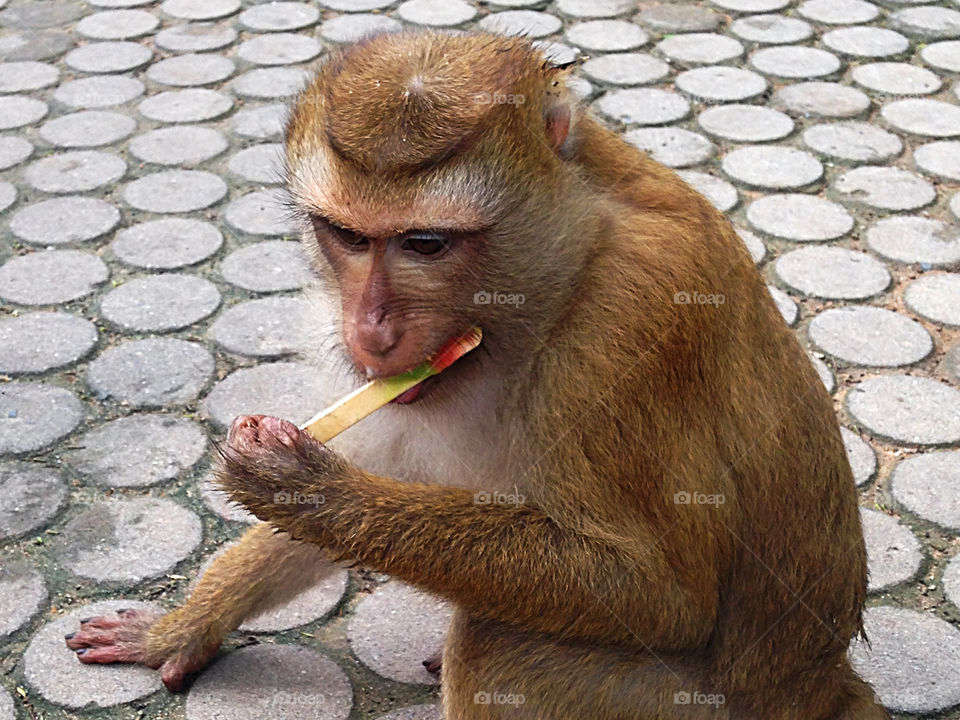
column 378, row 339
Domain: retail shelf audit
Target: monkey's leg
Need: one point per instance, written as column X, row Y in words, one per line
column 262, row 570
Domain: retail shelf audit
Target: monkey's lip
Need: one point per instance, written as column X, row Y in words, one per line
column 413, row 394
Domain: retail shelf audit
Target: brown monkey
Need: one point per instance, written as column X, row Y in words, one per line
column 635, row 492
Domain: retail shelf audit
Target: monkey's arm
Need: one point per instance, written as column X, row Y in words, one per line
column 507, row 563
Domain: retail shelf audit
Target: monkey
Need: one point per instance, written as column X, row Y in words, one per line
column 634, row 492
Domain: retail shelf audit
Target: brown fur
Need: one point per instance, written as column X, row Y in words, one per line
column 599, row 595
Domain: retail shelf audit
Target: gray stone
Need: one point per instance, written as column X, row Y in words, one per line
column 939, row 158
column 771, row 29
column 927, row 485
column 8, row 194
column 824, row 372
column 951, row 581
column 63, row 220
column 109, row 57
column 30, row 496
column 34, row 416
column 772, row 166
column 271, row 83
column 138, row 451
column 852, row 142
column 785, row 304
column 865, row 41
column 127, row 540
column 870, row 336
column 528, row 23
column 22, row 592
column 175, row 191
column 279, row 49
column 838, row 12
column 220, row 504
column 200, row 9
column 885, row 188
column 720, row 83
column 927, row 23
column 910, row 659
column 99, row 91
column 41, row 14
column 37, row 342
column 675, row 17
column 270, row 327
column 196, row 37
column 607, row 35
column 801, row 218
column 184, row 106
column 34, row 45
column 915, row 240
column 907, row 409
column 643, row 106
column 795, row 62
column 75, row 171
column 13, row 151
column 51, row 668
column 191, row 69
column 118, row 24
column 896, row 78
column 350, row 28
column 942, row 55
column 282, row 681
column 155, row 372
column 261, row 163
column 268, row 267
column 283, row 389
column 167, row 244
column 700, row 48
column 821, row 99
column 951, row 362
column 55, row 276
column 415, row 712
column 279, row 16
column 754, row 244
column 261, row 213
column 88, row 128
column 862, row 458
column 159, row 303
column 595, row 8
column 935, row 297
column 721, row 194
column 26, row 75
column 832, row 273
column 556, row 53
column 674, row 147
column 181, row 146
column 745, row 123
column 626, row 69
column 893, row 552
column 260, row 123
column 357, row 6
column 751, row 6
column 17, row 111
column 397, row 627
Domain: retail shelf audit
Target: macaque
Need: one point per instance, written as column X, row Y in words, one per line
column 634, row 492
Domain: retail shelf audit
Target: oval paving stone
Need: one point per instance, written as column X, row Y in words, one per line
column 526, row 23
column 191, row 69
column 98, row 91
column 907, row 409
column 870, row 336
column 184, row 145
column 852, row 142
column 195, row 37
column 951, row 581
column 26, row 75
column 52, row 669
column 910, row 659
column 862, row 458
column 594, row 8
column 269, row 266
column 278, row 16
column 41, row 341
column 167, row 244
column 261, row 213
column 896, row 78
column 75, row 171
column 772, row 166
column 350, row 28
column 175, row 191
column 721, row 194
column 699, row 48
column 87, row 128
column 745, row 123
column 35, row 415
column 940, row 158
column 155, row 372
column 915, row 240
column 674, row 147
column 270, row 83
column 893, row 552
column 644, row 106
column 677, row 18
column 262, row 163
column 801, row 218
column 626, row 69
column 64, row 220
column 260, row 123
column 200, row 9
column 832, row 273
column 720, row 83
column 785, row 304
column 884, row 188
column 607, row 35
column 183, row 106
column 161, row 302
column 264, row 328
column 771, row 29
column 865, row 41
column 942, row 55
column 922, row 116
column 929, row 486
column 935, row 297
column 22, row 592
column 138, row 451
column 795, row 62
column 286, row 681
column 109, row 57
column 927, row 23
column 821, row 99
column 17, row 111
column 279, row 49
column 395, row 628
column 30, row 496
column 283, row 389
column 54, row 276
column 118, row 24
column 838, row 12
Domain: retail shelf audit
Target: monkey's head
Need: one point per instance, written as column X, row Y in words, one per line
column 431, row 172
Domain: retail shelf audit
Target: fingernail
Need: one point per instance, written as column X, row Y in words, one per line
column 121, row 611
column 81, row 651
column 69, row 636
column 84, row 621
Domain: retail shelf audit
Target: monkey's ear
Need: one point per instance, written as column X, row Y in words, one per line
column 557, row 122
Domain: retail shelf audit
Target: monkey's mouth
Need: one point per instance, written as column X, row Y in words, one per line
column 414, row 393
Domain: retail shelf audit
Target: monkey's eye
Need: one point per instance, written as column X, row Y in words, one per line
column 426, row 243
column 349, row 239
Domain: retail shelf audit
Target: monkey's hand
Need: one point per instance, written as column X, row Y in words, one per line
column 280, row 473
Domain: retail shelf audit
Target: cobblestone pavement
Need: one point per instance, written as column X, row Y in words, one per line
column 148, row 285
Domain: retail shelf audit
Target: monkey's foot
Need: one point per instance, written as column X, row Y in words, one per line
column 434, row 663
column 126, row 638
